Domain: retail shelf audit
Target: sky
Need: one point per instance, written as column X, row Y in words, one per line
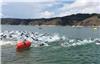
column 46, row 8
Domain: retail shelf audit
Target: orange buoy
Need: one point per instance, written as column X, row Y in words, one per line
column 23, row 45
column 27, row 44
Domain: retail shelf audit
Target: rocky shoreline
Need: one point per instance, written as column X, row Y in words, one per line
column 72, row 20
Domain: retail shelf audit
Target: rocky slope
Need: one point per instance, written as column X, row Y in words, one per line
column 75, row 19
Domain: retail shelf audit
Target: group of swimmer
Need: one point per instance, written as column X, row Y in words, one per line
column 42, row 39
column 36, row 38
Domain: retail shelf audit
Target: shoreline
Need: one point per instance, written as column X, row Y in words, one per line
column 52, row 25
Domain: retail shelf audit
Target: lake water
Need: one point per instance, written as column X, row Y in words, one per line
column 88, row 53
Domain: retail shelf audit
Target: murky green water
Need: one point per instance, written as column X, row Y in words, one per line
column 84, row 54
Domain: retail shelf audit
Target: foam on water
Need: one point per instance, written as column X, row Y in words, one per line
column 38, row 39
column 73, row 42
column 7, row 43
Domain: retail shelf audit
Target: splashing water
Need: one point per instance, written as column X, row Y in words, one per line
column 37, row 39
column 9, row 37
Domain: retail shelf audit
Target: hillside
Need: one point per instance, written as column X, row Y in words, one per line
column 75, row 19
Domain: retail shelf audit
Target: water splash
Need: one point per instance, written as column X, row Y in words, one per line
column 42, row 39
column 37, row 39
column 75, row 42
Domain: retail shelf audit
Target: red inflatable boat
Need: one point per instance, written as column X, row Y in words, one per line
column 23, row 45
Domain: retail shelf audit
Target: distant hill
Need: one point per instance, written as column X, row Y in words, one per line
column 75, row 19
